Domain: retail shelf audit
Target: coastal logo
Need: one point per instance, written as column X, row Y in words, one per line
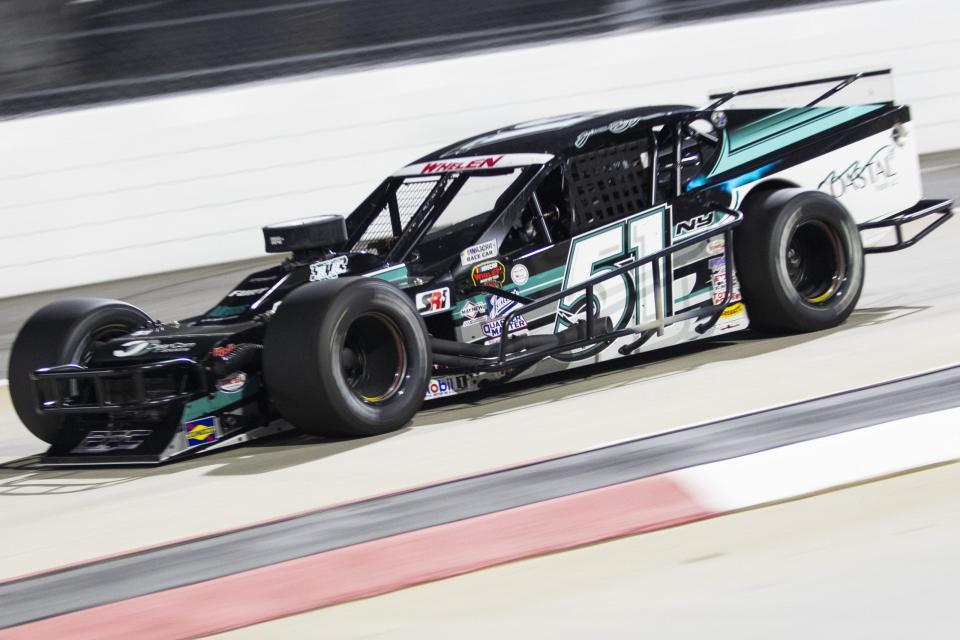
column 878, row 172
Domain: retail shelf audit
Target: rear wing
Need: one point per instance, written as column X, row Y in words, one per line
column 865, row 87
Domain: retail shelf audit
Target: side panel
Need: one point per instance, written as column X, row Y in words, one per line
column 873, row 177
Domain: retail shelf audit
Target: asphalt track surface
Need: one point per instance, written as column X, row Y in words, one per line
column 905, row 324
column 213, row 557
column 877, row 561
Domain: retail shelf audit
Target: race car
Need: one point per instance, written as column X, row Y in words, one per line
column 528, row 250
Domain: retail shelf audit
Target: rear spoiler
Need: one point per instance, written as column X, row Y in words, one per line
column 839, row 84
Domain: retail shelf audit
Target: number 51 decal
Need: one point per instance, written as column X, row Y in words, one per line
column 626, row 299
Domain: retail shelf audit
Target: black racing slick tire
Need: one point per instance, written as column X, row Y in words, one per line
column 347, row 357
column 63, row 332
column 799, row 260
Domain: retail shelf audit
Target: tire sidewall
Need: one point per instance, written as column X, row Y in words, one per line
column 350, row 305
column 301, row 359
column 807, row 207
column 58, row 334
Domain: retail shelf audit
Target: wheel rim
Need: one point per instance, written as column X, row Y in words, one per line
column 97, row 337
column 373, row 358
column 816, row 262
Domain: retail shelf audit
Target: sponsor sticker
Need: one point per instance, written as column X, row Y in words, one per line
column 500, row 305
column 440, row 387
column 878, row 171
column 107, row 441
column 202, row 431
column 328, row 269
column 686, row 227
column 276, row 241
column 478, row 252
column 232, row 383
column 473, row 310
column 718, row 267
column 224, row 351
column 135, row 348
column 715, row 246
column 484, row 162
column 616, row 127
column 495, row 329
column 519, row 274
column 491, row 274
column 733, row 310
column 247, row 293
column 430, row 302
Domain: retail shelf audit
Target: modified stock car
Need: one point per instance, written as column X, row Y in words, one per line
column 532, row 249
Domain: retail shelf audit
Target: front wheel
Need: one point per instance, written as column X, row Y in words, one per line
column 799, row 260
column 347, row 357
column 63, row 332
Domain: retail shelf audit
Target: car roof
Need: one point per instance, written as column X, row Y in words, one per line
column 557, row 135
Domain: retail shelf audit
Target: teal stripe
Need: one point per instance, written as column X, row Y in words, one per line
column 211, row 404
column 781, row 129
column 694, row 294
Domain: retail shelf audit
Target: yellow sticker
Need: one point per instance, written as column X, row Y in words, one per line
column 733, row 310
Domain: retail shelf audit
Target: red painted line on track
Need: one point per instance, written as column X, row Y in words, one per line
column 288, row 516
column 380, row 566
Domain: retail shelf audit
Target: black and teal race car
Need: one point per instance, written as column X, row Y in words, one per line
column 528, row 250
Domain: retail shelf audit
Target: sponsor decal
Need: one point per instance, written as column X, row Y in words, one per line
column 430, row 302
column 328, row 269
column 478, row 252
column 686, row 227
column 716, row 246
column 472, row 310
column 202, row 431
column 500, row 305
column 878, row 172
column 486, row 162
column 440, row 387
column 135, row 348
column 519, row 274
column 495, row 329
column 718, row 267
column 276, row 241
column 491, row 274
column 107, row 441
column 733, row 310
column 246, row 293
column 224, row 351
column 233, row 382
column 618, row 126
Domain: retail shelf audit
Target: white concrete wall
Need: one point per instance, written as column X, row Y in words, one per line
column 163, row 184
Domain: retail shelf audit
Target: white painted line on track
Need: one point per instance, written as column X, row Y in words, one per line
column 825, row 463
column 761, row 409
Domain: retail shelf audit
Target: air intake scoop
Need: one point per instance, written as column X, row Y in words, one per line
column 308, row 234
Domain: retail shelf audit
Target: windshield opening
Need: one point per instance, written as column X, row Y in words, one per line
column 470, row 199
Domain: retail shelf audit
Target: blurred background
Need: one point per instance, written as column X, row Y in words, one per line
column 133, row 133
column 63, row 53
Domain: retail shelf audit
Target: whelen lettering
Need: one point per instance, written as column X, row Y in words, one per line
column 479, row 163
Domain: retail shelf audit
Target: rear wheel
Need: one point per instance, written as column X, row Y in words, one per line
column 347, row 358
column 799, row 261
column 63, row 332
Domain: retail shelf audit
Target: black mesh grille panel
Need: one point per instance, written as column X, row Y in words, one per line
column 609, row 183
column 378, row 237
